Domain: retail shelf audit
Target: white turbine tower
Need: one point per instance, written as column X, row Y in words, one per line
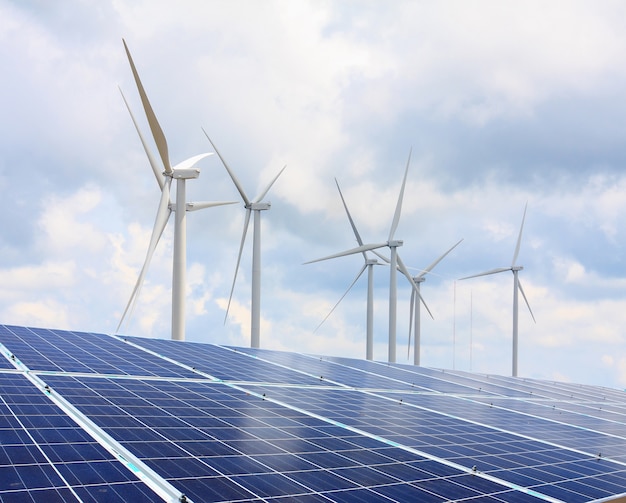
column 181, row 172
column 395, row 264
column 369, row 265
column 415, row 311
column 517, row 286
column 256, row 205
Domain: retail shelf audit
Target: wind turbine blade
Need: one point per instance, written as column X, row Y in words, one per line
column 526, row 300
column 163, row 214
column 358, row 249
column 192, row 161
column 431, row 266
column 486, row 273
column 269, row 186
column 157, row 132
column 411, row 309
column 381, row 256
column 519, row 237
column 153, row 164
column 345, row 293
column 243, row 240
column 354, row 229
column 408, row 276
column 396, row 216
column 207, row 204
column 230, row 172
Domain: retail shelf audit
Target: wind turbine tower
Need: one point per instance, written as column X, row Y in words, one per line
column 395, row 263
column 369, row 264
column 517, row 287
column 256, row 205
column 165, row 174
column 415, row 310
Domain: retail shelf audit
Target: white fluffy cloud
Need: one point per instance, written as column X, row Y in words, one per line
column 502, row 104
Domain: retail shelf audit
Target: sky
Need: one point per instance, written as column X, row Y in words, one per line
column 501, row 104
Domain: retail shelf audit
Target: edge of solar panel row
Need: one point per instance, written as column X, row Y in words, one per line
column 93, row 417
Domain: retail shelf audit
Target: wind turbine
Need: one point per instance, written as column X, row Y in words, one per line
column 181, row 173
column 517, row 286
column 395, row 263
column 257, row 205
column 369, row 265
column 415, row 306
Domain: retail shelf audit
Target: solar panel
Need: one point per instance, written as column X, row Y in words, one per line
column 91, row 417
column 62, row 351
column 225, row 364
column 45, row 456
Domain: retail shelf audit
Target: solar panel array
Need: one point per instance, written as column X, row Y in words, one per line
column 92, row 417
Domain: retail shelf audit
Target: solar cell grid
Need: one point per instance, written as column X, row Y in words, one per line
column 48, row 350
column 429, row 379
column 437, row 439
column 225, row 364
column 546, row 390
column 330, row 372
column 585, row 413
column 539, row 420
column 376, row 375
column 322, row 447
column 561, row 427
column 5, row 364
column 578, row 391
column 327, row 429
column 53, row 459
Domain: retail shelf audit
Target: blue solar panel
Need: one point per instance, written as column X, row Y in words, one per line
column 226, row 364
column 376, row 375
column 56, row 350
column 46, row 456
column 299, row 456
column 227, row 424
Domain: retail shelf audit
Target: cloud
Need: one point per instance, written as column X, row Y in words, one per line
column 45, row 313
column 48, row 275
column 501, row 106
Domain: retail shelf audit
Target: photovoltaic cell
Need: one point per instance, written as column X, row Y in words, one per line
column 302, row 456
column 240, row 424
column 227, row 364
column 328, row 372
column 46, row 456
column 55, row 350
column 532, row 388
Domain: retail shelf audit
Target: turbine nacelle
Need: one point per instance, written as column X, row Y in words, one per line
column 184, row 173
column 395, row 243
column 258, row 206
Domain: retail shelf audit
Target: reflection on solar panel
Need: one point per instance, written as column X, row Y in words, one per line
column 90, row 417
